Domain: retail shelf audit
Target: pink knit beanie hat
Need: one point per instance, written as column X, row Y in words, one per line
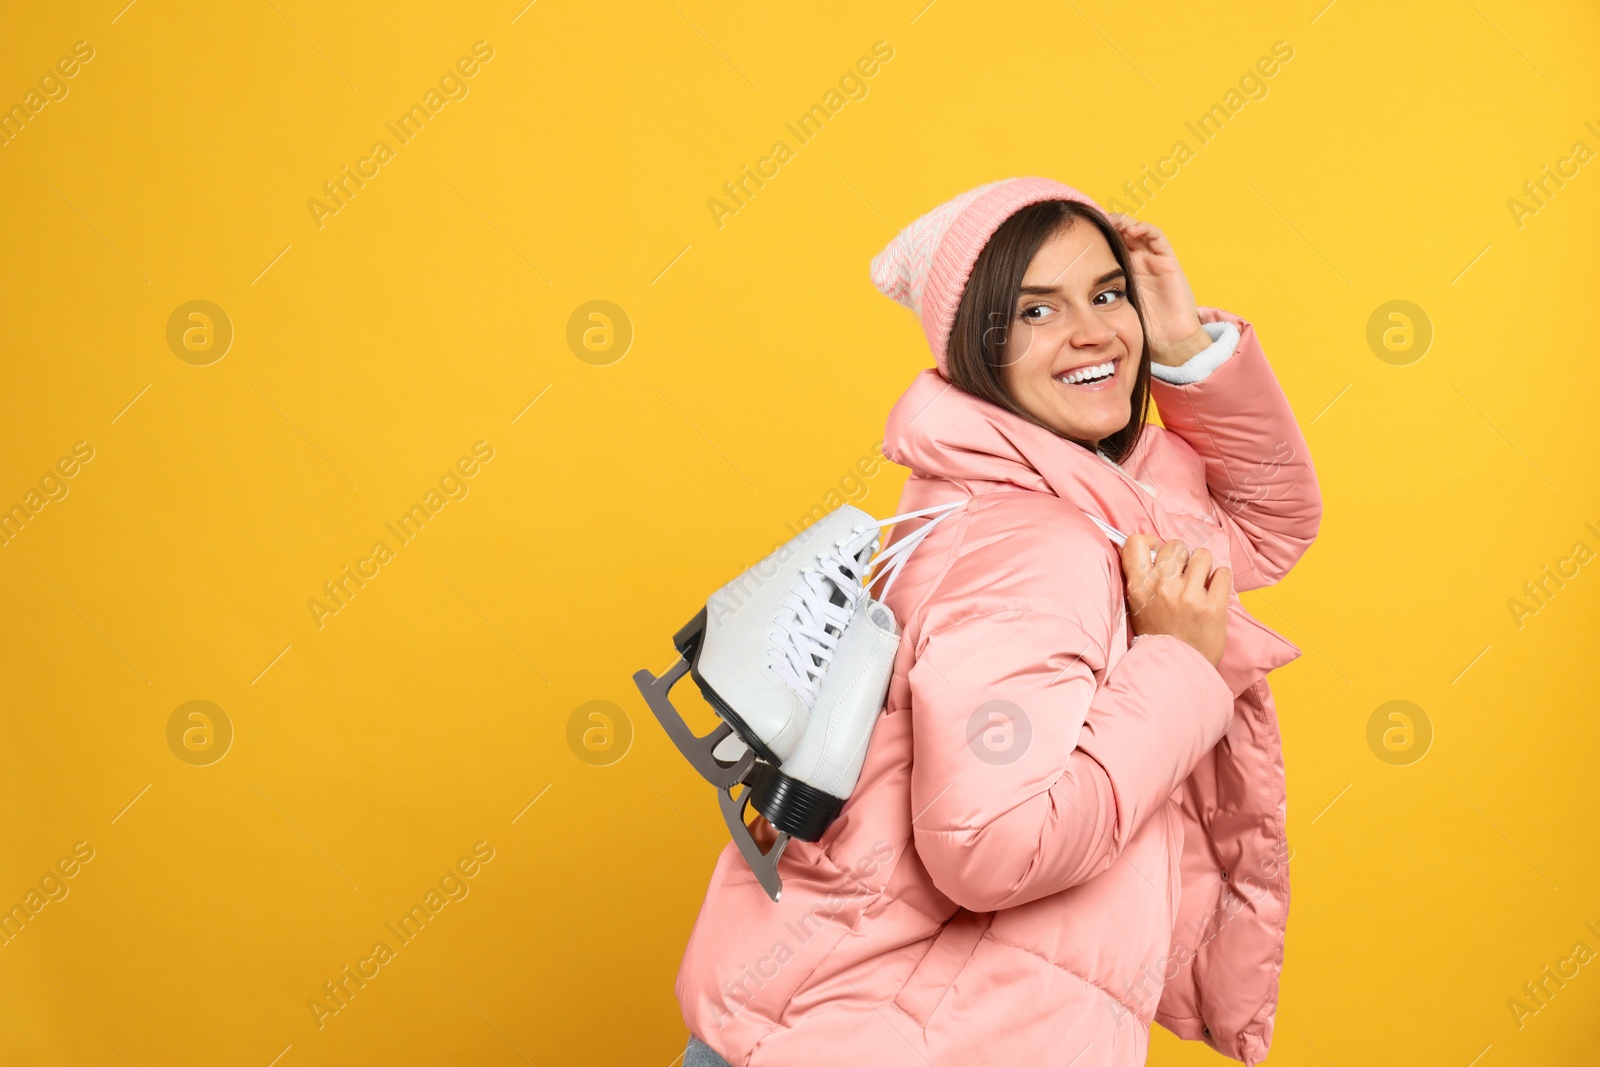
column 927, row 266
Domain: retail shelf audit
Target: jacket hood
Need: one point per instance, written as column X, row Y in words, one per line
column 940, row 430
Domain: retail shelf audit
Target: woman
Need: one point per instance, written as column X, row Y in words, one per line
column 1070, row 822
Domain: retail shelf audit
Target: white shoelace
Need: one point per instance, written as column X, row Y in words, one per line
column 1116, row 535
column 810, row 623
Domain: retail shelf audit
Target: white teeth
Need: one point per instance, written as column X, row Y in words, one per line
column 1082, row 373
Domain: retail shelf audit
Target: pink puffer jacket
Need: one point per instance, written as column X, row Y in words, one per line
column 1059, row 835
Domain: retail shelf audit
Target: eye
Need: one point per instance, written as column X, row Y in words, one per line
column 1035, row 312
column 1120, row 293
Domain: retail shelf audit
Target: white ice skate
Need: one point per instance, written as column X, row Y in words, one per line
column 795, row 656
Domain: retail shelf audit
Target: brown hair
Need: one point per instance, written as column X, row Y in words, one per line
column 974, row 353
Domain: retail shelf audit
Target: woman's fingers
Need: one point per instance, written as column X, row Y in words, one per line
column 1196, row 575
column 1144, row 579
column 1171, row 558
column 1189, row 573
column 1129, row 224
column 1143, row 236
column 1136, row 561
column 1221, row 586
column 1133, row 231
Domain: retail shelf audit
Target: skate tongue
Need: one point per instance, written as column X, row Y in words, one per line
column 860, row 547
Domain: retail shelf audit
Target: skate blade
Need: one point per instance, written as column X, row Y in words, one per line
column 763, row 864
column 697, row 749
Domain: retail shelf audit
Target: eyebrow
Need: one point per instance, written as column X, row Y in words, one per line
column 1045, row 290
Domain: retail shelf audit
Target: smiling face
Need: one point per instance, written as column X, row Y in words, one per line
column 1074, row 342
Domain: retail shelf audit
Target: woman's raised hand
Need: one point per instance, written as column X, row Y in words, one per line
column 1177, row 594
column 1170, row 313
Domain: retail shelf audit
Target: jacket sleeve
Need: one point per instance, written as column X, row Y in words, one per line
column 1030, row 774
column 1224, row 339
column 1258, row 468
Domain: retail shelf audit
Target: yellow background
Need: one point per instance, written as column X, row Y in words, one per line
column 431, row 711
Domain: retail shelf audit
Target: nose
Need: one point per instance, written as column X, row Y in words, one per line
column 1091, row 331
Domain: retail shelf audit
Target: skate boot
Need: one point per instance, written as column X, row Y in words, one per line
column 794, row 656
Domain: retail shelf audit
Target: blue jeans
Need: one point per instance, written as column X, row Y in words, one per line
column 700, row 1054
